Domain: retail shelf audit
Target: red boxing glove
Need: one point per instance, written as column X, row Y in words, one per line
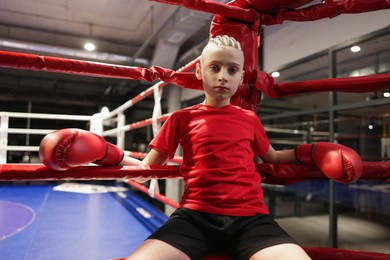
column 336, row 161
column 67, row 148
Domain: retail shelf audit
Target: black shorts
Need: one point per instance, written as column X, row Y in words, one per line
column 198, row 234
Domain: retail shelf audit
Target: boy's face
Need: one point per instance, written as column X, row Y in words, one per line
column 221, row 71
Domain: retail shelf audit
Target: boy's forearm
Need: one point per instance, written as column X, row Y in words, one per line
column 286, row 156
column 132, row 161
column 154, row 157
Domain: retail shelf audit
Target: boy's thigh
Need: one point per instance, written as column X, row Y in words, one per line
column 281, row 252
column 258, row 233
column 180, row 232
column 156, row 249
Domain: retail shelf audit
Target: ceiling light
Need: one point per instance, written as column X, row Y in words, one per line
column 89, row 46
column 275, row 74
column 355, row 48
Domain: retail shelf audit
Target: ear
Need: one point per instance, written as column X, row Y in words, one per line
column 198, row 72
column 242, row 76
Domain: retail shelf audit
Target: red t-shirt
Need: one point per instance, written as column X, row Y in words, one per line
column 219, row 146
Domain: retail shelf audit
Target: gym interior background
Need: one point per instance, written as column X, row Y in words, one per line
column 143, row 33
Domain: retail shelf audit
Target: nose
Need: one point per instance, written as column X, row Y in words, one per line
column 223, row 76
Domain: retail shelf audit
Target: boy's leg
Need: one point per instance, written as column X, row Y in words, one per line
column 156, row 249
column 178, row 238
column 282, row 252
column 262, row 238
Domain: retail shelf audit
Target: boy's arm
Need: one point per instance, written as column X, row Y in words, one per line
column 66, row 148
column 282, row 156
column 336, row 161
column 130, row 161
column 154, row 157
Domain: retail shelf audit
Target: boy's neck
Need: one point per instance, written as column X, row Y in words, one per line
column 216, row 103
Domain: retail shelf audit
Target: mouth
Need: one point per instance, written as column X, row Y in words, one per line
column 221, row 88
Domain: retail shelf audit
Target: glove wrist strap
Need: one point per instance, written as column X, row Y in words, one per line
column 303, row 153
column 113, row 156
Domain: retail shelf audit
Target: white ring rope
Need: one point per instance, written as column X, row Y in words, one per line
column 153, row 186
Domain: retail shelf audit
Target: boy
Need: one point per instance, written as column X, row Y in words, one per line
column 222, row 207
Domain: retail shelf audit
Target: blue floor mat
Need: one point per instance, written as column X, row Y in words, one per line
column 71, row 225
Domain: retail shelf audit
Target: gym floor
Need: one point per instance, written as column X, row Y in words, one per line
column 70, row 222
column 363, row 208
column 354, row 233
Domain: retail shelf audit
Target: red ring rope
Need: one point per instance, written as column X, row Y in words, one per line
column 35, row 172
column 271, row 173
column 148, row 121
column 156, row 195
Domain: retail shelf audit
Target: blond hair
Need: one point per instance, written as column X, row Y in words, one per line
column 226, row 41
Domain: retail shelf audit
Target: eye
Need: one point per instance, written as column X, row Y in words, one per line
column 214, row 68
column 233, row 70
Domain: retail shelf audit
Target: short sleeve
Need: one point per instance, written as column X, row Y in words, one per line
column 261, row 142
column 167, row 138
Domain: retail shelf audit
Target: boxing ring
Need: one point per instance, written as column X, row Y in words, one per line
column 238, row 18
